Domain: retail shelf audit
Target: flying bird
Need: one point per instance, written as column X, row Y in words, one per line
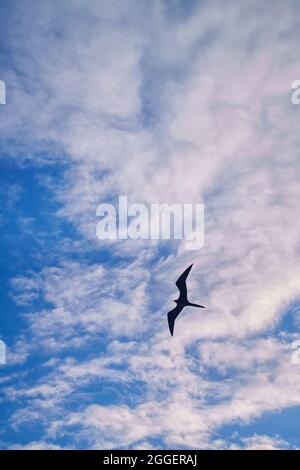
column 182, row 300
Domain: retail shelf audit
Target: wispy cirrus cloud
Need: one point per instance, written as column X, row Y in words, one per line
column 165, row 104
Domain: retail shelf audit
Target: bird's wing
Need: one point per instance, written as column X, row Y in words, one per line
column 181, row 283
column 172, row 315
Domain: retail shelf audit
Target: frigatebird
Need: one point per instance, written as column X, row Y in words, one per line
column 182, row 300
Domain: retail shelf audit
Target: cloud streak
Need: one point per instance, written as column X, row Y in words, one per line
column 164, row 104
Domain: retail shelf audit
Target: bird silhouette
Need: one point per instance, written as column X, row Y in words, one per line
column 182, row 300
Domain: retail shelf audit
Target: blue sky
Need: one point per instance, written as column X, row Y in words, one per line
column 162, row 101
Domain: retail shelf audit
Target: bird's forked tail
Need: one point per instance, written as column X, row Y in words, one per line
column 195, row 305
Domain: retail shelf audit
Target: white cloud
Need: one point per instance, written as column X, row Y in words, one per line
column 215, row 90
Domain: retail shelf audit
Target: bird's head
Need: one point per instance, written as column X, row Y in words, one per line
column 176, row 301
